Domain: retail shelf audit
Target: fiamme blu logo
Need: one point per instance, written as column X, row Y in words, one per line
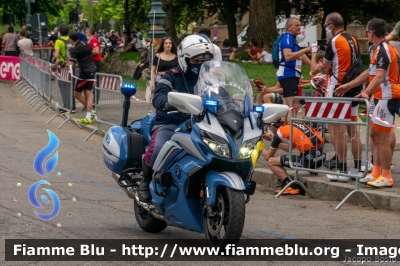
column 44, row 167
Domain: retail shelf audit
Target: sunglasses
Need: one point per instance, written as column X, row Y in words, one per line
column 166, row 38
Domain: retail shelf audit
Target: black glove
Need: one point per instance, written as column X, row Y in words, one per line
column 168, row 107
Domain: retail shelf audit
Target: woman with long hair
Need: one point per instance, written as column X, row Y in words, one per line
column 165, row 59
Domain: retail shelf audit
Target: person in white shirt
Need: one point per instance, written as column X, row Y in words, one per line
column 25, row 44
column 267, row 57
column 217, row 50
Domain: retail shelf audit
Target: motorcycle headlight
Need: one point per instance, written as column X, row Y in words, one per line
column 218, row 145
column 247, row 148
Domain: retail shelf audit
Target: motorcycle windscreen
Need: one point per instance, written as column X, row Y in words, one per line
column 225, row 84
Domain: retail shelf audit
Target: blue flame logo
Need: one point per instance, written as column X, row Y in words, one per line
column 32, row 198
column 45, row 168
column 44, row 153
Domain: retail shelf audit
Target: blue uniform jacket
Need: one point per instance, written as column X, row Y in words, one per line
column 173, row 80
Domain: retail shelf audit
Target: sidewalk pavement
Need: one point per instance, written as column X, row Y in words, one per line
column 319, row 185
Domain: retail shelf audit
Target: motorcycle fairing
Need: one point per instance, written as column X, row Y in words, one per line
column 176, row 199
column 215, row 179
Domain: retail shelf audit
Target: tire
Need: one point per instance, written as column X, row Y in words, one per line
column 230, row 205
column 147, row 222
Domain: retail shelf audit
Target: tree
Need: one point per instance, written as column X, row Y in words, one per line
column 180, row 11
column 360, row 10
column 227, row 10
column 262, row 24
column 19, row 9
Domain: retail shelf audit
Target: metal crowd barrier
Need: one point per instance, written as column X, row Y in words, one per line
column 109, row 108
column 64, row 96
column 35, row 81
column 35, row 85
column 336, row 112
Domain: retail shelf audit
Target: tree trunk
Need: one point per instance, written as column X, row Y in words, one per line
column 229, row 15
column 169, row 20
column 262, row 24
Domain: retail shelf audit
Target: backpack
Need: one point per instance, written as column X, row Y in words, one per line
column 275, row 52
column 355, row 69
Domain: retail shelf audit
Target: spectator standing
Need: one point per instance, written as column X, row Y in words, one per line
column 52, row 41
column 82, row 54
column 60, row 55
column 395, row 42
column 227, row 52
column 291, row 58
column 11, row 41
column 95, row 47
column 336, row 63
column 217, row 50
column 113, row 41
column 215, row 34
column 25, row 44
column 383, row 77
column 165, row 59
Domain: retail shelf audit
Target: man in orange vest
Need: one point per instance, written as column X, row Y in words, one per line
column 307, row 141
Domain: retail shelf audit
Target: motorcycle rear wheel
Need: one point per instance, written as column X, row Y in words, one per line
column 226, row 226
column 148, row 222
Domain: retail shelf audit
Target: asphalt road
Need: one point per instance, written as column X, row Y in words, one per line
column 93, row 205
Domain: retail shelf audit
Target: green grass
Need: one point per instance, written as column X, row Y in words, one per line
column 130, row 56
column 141, row 84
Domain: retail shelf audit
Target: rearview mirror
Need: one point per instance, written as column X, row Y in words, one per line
column 273, row 111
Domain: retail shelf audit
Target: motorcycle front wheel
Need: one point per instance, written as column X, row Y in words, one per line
column 148, row 222
column 225, row 225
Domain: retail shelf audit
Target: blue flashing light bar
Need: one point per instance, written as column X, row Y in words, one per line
column 258, row 109
column 211, row 103
column 128, row 86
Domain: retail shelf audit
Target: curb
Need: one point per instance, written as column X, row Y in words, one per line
column 321, row 188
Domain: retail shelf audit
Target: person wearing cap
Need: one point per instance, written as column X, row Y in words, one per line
column 307, row 141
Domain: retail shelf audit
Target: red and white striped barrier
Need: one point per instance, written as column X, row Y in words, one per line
column 64, row 74
column 328, row 110
column 140, row 101
column 109, row 83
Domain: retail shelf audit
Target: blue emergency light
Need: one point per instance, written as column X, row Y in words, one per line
column 128, row 89
column 258, row 109
column 210, row 103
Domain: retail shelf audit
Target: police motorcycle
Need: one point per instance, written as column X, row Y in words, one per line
column 202, row 176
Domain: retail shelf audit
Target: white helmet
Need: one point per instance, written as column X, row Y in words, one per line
column 194, row 46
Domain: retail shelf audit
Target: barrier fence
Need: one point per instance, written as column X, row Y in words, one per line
column 110, row 100
column 35, row 82
column 64, row 97
column 37, row 86
column 349, row 140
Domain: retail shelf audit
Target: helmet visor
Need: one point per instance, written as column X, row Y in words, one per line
column 203, row 57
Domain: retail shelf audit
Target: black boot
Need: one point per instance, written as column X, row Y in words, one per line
column 144, row 191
